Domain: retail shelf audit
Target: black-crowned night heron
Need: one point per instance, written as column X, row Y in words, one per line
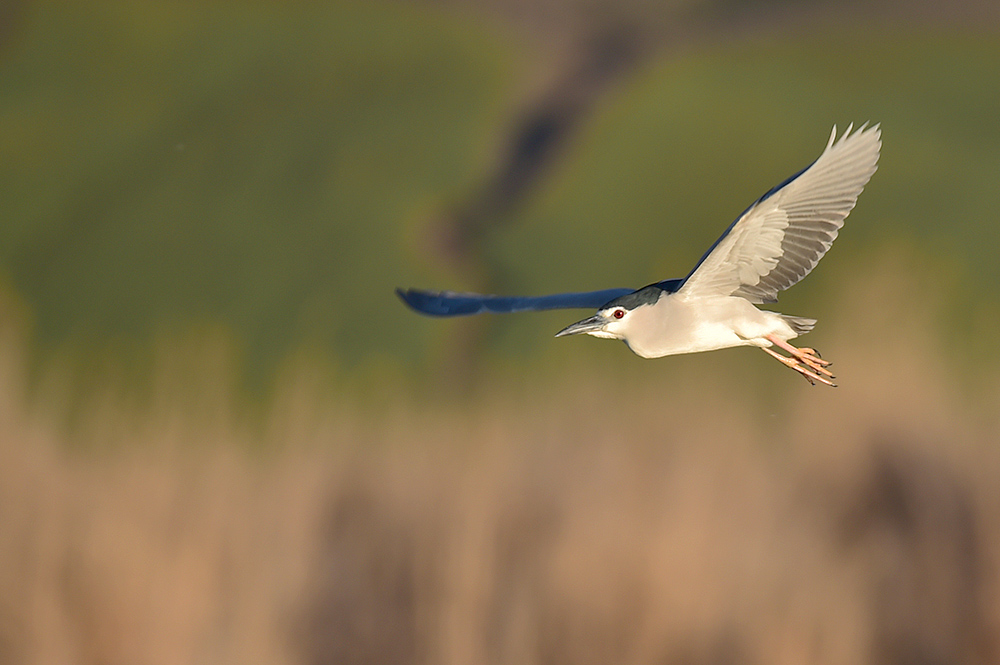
column 775, row 242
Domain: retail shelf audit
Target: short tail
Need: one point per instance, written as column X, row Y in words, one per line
column 799, row 324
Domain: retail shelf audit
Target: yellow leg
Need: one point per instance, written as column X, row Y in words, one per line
column 805, row 361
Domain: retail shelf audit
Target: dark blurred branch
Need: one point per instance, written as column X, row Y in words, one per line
column 536, row 140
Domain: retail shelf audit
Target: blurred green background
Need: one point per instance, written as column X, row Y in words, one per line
column 273, row 171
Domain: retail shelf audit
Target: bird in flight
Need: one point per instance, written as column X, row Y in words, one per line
column 776, row 242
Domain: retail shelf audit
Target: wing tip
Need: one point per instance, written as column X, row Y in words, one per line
column 406, row 296
column 867, row 129
column 423, row 302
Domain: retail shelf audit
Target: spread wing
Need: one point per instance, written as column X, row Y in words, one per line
column 449, row 303
column 779, row 239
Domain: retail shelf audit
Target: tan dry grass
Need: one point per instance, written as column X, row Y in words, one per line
column 849, row 526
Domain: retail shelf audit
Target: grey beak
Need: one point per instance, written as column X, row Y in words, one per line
column 594, row 323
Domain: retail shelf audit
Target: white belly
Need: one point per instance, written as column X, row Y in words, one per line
column 677, row 325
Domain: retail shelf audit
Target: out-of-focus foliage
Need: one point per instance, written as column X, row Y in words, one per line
column 256, row 163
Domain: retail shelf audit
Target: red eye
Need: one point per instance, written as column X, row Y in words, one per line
column 618, row 313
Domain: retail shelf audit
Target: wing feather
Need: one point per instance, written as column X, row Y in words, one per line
column 450, row 303
column 779, row 239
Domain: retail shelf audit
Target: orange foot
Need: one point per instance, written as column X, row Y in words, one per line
column 805, row 361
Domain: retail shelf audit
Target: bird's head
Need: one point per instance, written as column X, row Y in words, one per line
column 613, row 320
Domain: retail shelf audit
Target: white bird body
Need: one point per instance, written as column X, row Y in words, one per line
column 678, row 324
